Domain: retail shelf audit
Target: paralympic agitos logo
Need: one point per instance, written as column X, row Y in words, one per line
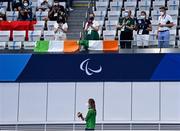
column 84, row 66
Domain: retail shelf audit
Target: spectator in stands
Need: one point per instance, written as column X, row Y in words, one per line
column 16, row 5
column 57, row 11
column 143, row 27
column 165, row 23
column 126, row 24
column 2, row 14
column 68, row 4
column 25, row 12
column 44, row 6
column 60, row 29
column 91, row 115
column 91, row 28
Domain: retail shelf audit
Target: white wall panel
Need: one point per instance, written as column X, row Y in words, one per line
column 145, row 104
column 117, row 101
column 170, row 101
column 32, row 103
column 61, row 101
column 8, row 102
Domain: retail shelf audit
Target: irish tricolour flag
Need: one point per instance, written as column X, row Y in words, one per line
column 100, row 45
column 57, row 46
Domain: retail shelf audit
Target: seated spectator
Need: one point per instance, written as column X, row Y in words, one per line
column 25, row 12
column 143, row 27
column 60, row 29
column 57, row 11
column 2, row 14
column 44, row 6
column 16, row 5
column 91, row 28
column 126, row 24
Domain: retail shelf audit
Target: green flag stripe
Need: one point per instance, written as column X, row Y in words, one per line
column 42, row 46
column 84, row 43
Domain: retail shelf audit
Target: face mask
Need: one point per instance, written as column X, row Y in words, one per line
column 125, row 14
column 142, row 17
column 25, row 4
column 87, row 105
column 161, row 13
column 55, row 4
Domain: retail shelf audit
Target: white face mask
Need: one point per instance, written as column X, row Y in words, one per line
column 25, row 4
column 125, row 14
column 55, row 4
column 161, row 13
column 142, row 17
column 87, row 105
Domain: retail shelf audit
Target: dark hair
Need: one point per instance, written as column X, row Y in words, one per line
column 92, row 103
column 163, row 7
column 144, row 12
column 26, row 1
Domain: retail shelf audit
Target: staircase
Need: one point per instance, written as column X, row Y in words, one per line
column 76, row 19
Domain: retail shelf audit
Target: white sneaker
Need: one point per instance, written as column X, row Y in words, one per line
column 70, row 9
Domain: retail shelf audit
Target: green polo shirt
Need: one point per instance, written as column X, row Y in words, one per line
column 129, row 22
column 91, row 119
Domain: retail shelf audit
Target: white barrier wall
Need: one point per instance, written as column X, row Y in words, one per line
column 8, row 102
column 115, row 101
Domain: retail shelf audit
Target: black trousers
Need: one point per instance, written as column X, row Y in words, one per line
column 89, row 129
column 125, row 39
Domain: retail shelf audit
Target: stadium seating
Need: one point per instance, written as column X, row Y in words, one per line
column 150, row 6
column 34, row 35
column 4, row 36
column 107, row 13
column 12, row 15
column 115, row 6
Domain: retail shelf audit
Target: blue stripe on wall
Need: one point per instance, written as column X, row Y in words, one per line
column 11, row 65
column 168, row 69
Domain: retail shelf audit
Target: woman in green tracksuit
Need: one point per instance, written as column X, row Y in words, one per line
column 91, row 115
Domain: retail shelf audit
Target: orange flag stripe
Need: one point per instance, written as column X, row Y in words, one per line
column 110, row 45
column 71, row 46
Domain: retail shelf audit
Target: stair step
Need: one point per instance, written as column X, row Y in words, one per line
column 76, row 19
column 80, row 1
column 75, row 30
column 75, row 24
column 77, row 15
column 73, row 36
column 79, row 11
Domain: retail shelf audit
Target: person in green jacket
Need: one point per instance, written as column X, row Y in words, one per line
column 91, row 115
column 91, row 28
